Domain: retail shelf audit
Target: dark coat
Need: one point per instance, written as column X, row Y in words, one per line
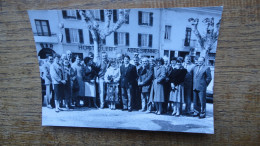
column 201, row 78
column 178, row 75
column 145, row 77
column 89, row 74
column 128, row 76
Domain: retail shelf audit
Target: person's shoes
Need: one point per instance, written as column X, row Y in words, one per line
column 124, row 109
column 49, row 106
column 177, row 114
column 129, row 110
column 57, row 110
column 141, row 110
column 158, row 113
column 202, row 116
column 148, row 111
column 195, row 115
column 173, row 113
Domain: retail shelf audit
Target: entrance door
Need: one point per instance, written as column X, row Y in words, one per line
column 74, row 55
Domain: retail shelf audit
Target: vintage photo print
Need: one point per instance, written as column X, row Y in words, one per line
column 138, row 69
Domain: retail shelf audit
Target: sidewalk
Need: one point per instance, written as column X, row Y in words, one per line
column 136, row 120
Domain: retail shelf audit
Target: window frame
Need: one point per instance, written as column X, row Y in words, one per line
column 167, row 33
column 42, row 33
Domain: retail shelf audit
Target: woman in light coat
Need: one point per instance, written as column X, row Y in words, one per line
column 157, row 91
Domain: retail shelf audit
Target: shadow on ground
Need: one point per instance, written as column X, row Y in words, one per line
column 167, row 126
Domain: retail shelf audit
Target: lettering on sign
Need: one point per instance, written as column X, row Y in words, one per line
column 138, row 50
column 101, row 49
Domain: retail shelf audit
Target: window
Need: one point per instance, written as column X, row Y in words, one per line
column 99, row 15
column 91, row 40
column 74, row 35
column 42, row 27
column 145, row 40
column 115, row 17
column 167, row 34
column 121, row 38
column 187, row 37
column 145, row 18
column 166, row 53
column 71, row 14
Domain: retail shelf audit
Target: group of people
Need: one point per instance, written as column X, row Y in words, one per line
column 143, row 84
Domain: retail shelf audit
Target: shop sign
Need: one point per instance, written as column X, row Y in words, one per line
column 139, row 50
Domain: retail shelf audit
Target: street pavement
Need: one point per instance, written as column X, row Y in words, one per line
column 135, row 120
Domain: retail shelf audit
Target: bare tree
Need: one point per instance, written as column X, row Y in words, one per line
column 207, row 40
column 100, row 30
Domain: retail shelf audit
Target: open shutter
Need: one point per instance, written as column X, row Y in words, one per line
column 104, row 41
column 139, row 40
column 139, row 17
column 114, row 16
column 67, row 33
column 78, row 15
column 115, row 38
column 127, row 39
column 102, row 18
column 127, row 19
column 64, row 14
column 150, row 40
column 151, row 19
column 81, row 39
column 91, row 41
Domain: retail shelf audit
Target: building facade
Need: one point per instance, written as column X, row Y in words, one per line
column 147, row 32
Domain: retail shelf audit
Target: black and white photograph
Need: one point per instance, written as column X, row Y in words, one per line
column 146, row 69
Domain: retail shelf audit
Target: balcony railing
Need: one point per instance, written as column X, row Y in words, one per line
column 53, row 38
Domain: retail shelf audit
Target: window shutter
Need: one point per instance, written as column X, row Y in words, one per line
column 102, row 18
column 78, row 15
column 64, row 14
column 104, row 41
column 91, row 41
column 115, row 38
column 150, row 40
column 127, row 19
column 127, row 39
column 67, row 32
column 139, row 17
column 81, row 39
column 151, row 19
column 114, row 16
column 139, row 40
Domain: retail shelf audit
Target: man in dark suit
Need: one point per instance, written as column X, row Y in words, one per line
column 201, row 79
column 128, row 80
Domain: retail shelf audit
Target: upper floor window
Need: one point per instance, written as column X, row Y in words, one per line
column 99, row 15
column 42, row 27
column 71, row 14
column 145, row 18
column 74, row 35
column 116, row 16
column 145, row 40
column 121, row 38
column 91, row 40
column 187, row 37
column 167, row 34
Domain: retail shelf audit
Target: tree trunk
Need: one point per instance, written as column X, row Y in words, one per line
column 95, row 50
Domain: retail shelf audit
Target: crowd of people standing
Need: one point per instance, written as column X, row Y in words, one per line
column 159, row 86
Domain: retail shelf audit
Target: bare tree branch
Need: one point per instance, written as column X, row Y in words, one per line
column 123, row 13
